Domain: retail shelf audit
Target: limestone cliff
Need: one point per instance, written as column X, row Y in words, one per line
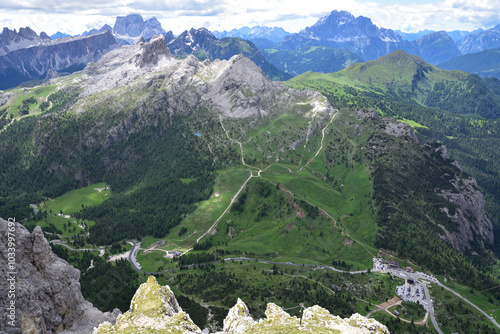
column 315, row 319
column 154, row 309
column 63, row 55
column 469, row 217
column 236, row 88
column 46, row 291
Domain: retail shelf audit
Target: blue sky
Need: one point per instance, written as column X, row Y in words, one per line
column 74, row 17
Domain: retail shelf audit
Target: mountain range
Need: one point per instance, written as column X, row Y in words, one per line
column 334, row 42
column 342, row 30
column 201, row 152
column 62, row 55
column 263, row 37
column 11, row 40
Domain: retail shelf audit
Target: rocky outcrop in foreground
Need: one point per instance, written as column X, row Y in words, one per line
column 314, row 320
column 44, row 287
column 154, row 309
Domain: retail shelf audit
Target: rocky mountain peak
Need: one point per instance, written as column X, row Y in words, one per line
column 130, row 25
column 151, row 51
column 437, row 47
column 342, row 24
column 11, row 40
column 129, row 28
column 98, row 31
column 48, row 297
column 315, row 319
column 192, row 40
column 335, row 18
column 151, row 28
column 154, row 308
column 340, row 29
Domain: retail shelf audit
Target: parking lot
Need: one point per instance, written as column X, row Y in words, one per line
column 412, row 291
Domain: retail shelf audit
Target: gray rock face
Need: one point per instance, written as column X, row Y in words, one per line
column 340, row 29
column 398, row 129
column 437, row 47
column 470, row 217
column 10, row 40
column 47, row 292
column 65, row 54
column 131, row 27
column 482, row 40
column 235, row 88
column 152, row 51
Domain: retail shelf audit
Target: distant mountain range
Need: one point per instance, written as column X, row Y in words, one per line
column 484, row 63
column 315, row 58
column 340, row 29
column 59, row 35
column 456, row 35
column 63, row 55
column 331, row 44
column 263, row 37
column 11, row 40
column 204, row 45
column 481, row 40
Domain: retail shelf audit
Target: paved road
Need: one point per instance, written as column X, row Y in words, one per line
column 132, row 258
column 133, row 261
column 430, row 310
column 64, row 237
column 470, row 303
column 34, row 208
column 398, row 273
column 59, row 242
column 415, row 276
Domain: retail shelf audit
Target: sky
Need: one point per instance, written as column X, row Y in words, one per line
column 74, row 17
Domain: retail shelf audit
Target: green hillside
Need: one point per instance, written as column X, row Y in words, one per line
column 295, row 178
column 471, row 138
column 404, row 77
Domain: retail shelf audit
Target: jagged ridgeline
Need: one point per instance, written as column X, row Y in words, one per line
column 154, row 309
column 451, row 107
column 141, row 121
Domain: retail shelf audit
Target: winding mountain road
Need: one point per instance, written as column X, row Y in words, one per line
column 399, row 273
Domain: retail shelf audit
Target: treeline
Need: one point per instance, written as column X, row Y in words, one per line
column 409, row 212
column 107, row 285
column 277, row 284
column 195, row 258
column 144, row 162
column 471, row 139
